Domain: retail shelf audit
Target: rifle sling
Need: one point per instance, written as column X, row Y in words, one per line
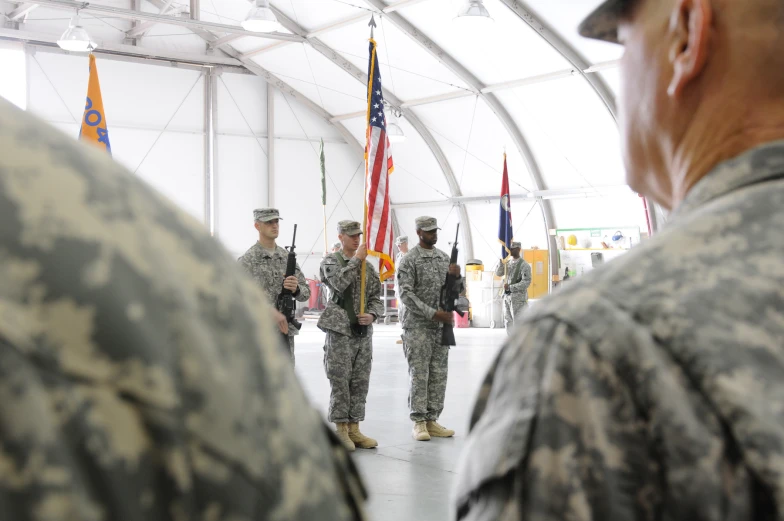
column 346, row 300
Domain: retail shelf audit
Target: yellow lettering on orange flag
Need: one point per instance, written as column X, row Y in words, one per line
column 94, row 120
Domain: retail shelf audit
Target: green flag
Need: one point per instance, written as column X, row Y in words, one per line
column 323, row 177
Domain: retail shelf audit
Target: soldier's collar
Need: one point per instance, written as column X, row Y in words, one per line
column 760, row 164
column 426, row 252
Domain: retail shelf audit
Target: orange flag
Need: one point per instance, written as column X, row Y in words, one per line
column 94, row 120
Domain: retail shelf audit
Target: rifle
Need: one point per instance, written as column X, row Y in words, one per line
column 285, row 302
column 449, row 296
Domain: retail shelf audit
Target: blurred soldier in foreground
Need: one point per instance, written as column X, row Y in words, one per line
column 348, row 351
column 421, row 275
column 516, row 286
column 653, row 388
column 140, row 377
column 265, row 262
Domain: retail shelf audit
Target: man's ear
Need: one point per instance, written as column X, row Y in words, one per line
column 690, row 26
column 257, row 225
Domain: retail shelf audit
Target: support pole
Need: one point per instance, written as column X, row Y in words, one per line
column 210, row 113
column 270, row 146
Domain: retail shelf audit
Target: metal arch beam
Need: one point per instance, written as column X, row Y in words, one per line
column 335, row 57
column 580, row 63
column 281, row 85
column 495, row 105
column 565, row 49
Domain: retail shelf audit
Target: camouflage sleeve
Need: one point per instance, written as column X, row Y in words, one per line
column 374, row 303
column 245, row 264
column 554, row 435
column 304, row 287
column 337, row 278
column 525, row 279
column 406, row 280
column 499, row 271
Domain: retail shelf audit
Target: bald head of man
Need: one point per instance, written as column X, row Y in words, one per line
column 701, row 82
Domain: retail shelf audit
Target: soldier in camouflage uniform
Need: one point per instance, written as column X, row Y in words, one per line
column 265, row 262
column 653, row 387
column 402, row 248
column 516, row 288
column 140, row 378
column 421, row 275
column 348, row 356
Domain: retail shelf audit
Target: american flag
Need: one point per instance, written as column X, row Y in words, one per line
column 378, row 167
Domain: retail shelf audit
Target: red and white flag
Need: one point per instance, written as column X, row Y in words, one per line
column 378, row 167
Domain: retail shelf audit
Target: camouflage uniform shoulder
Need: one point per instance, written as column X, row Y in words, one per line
column 157, row 350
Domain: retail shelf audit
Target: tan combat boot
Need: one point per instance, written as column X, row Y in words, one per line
column 420, row 432
column 360, row 440
column 342, row 431
column 439, row 431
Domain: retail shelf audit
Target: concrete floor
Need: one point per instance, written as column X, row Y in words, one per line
column 407, row 480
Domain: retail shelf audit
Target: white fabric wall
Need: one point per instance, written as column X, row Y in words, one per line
column 139, row 102
column 241, row 175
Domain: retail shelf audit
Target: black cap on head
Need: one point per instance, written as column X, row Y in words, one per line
column 602, row 23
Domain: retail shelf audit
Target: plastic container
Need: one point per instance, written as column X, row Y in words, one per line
column 314, row 293
column 461, row 322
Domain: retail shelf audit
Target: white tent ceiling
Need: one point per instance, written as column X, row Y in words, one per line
column 526, row 84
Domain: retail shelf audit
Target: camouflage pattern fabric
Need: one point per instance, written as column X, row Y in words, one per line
column 337, row 279
column 347, row 359
column 651, row 388
column 428, row 367
column 401, row 307
column 420, row 276
column 268, row 269
column 347, row 362
column 139, row 373
column 519, row 280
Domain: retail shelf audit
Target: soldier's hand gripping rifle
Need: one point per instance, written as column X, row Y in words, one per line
column 449, row 296
column 285, row 302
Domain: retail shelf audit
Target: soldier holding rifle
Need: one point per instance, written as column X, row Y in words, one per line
column 421, row 278
column 265, row 262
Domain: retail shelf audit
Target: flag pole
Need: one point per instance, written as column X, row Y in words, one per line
column 322, row 162
column 363, row 278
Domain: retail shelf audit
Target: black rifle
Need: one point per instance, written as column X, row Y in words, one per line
column 448, row 297
column 285, row 302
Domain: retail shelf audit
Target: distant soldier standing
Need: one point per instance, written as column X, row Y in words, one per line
column 421, row 274
column 348, row 356
column 265, row 262
column 516, row 287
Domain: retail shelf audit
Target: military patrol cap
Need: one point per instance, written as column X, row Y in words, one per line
column 403, row 239
column 349, row 228
column 264, row 215
column 427, row 224
column 515, row 245
column 602, row 23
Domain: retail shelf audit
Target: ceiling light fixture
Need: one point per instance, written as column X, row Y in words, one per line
column 395, row 132
column 261, row 19
column 75, row 38
column 473, row 11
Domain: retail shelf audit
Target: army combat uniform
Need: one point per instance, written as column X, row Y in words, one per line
column 268, row 269
column 140, row 376
column 652, row 387
column 401, row 307
column 421, row 275
column 515, row 302
column 348, row 357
